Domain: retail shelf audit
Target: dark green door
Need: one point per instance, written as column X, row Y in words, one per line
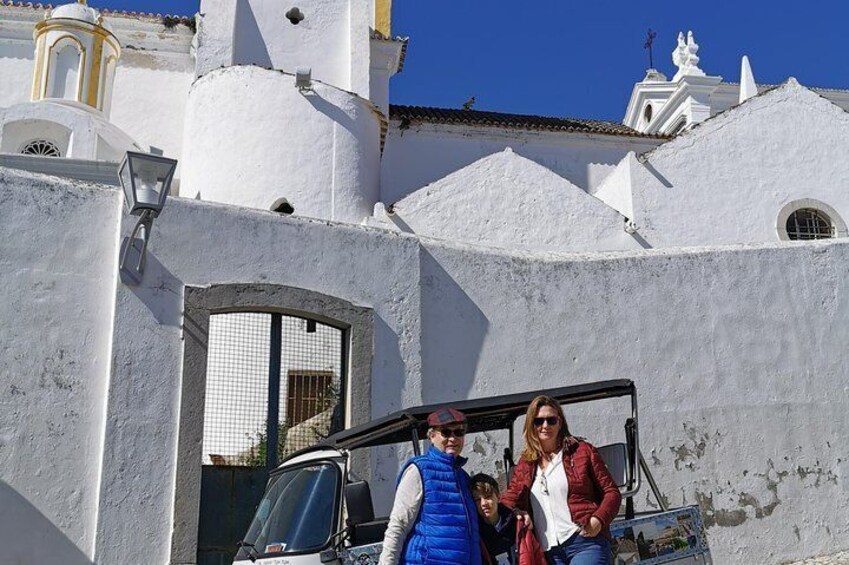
column 229, row 497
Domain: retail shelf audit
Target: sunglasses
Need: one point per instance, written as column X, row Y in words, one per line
column 551, row 421
column 448, row 433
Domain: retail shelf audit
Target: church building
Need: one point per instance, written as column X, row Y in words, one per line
column 406, row 255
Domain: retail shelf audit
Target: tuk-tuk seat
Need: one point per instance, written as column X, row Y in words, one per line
column 363, row 527
column 615, row 456
column 368, row 533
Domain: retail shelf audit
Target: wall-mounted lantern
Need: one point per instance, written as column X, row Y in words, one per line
column 146, row 180
column 303, row 78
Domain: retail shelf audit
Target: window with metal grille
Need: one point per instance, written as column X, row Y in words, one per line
column 42, row 148
column 809, row 223
column 308, row 394
column 271, row 379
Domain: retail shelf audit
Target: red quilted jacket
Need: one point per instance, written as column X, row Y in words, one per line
column 528, row 549
column 592, row 491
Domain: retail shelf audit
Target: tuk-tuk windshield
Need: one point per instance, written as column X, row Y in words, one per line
column 297, row 512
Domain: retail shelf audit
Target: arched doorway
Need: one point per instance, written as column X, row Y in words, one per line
column 264, row 365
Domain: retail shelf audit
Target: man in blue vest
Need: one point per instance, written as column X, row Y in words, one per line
column 433, row 520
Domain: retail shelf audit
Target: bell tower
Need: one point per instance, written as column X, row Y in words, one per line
column 76, row 54
column 297, row 95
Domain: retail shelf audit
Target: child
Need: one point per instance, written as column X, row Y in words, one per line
column 497, row 524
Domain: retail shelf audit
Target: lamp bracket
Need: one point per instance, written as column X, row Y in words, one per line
column 144, row 225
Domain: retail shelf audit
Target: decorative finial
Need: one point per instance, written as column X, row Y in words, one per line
column 83, row 2
column 685, row 57
column 679, row 56
column 692, row 49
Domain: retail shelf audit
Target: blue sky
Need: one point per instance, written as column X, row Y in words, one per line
column 580, row 58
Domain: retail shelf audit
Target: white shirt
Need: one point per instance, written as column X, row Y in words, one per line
column 550, row 504
column 405, row 510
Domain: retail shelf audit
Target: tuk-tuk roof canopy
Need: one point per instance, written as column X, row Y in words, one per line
column 482, row 414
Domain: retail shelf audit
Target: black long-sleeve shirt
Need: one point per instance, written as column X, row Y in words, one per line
column 500, row 539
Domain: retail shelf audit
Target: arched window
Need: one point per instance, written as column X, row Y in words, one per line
column 66, row 71
column 42, row 148
column 808, row 219
column 809, row 223
column 647, row 113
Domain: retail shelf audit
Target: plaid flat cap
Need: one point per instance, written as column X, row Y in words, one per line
column 445, row 416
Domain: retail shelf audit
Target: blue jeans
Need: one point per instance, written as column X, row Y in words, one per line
column 579, row 550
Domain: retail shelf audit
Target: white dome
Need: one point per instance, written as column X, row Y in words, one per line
column 76, row 11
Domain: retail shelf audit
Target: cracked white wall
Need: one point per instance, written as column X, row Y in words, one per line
column 737, row 353
column 58, row 301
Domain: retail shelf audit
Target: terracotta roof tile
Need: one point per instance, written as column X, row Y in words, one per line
column 32, row 5
column 421, row 114
column 186, row 20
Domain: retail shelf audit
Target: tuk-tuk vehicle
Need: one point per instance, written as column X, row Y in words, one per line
column 314, row 511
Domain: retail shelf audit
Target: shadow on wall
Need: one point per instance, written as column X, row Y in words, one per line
column 453, row 330
column 249, row 46
column 162, row 293
column 388, row 377
column 28, row 536
column 332, row 111
column 390, row 371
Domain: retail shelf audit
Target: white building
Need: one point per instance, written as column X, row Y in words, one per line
column 459, row 253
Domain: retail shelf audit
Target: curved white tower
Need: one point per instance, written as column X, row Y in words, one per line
column 255, row 134
column 75, row 57
column 255, row 137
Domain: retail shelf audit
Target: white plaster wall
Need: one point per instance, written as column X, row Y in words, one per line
column 379, row 89
column 144, row 399
column 742, row 401
column 149, row 98
column 733, row 378
column 215, row 22
column 506, row 200
column 258, row 138
column 615, row 190
column 58, row 286
column 17, row 53
column 421, row 154
column 16, row 68
column 736, row 355
column 332, row 39
column 727, row 180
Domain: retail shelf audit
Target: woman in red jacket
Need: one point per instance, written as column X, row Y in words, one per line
column 563, row 482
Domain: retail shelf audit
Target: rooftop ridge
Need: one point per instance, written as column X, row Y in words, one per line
column 774, row 85
column 178, row 18
column 509, row 120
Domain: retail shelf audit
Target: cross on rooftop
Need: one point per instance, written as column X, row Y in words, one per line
column 649, row 43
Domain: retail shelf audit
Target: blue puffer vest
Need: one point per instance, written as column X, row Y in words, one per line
column 446, row 530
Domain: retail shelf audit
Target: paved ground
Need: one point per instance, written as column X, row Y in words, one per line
column 836, row 559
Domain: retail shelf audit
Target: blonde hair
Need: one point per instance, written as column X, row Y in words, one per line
column 533, row 450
